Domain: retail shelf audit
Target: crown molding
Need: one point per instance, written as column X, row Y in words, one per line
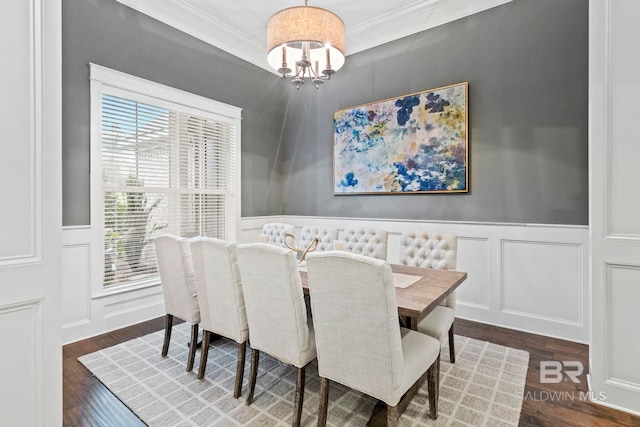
column 205, row 27
column 415, row 17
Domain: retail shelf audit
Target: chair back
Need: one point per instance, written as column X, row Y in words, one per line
column 274, row 233
column 355, row 317
column 428, row 249
column 370, row 242
column 217, row 279
column 325, row 237
column 274, row 302
column 176, row 276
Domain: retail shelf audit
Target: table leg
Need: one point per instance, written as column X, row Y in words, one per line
column 413, row 323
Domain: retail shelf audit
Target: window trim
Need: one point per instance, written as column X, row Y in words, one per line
column 107, row 81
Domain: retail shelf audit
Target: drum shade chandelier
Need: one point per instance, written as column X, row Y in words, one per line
column 306, row 44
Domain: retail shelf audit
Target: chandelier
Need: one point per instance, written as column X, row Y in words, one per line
column 306, row 44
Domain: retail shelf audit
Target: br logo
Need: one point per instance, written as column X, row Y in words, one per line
column 552, row 371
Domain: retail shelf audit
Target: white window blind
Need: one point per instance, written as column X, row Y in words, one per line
column 163, row 171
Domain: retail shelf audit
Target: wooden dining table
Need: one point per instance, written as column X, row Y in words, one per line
column 420, row 298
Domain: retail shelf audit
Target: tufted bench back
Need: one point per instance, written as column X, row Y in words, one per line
column 430, row 250
column 370, row 242
column 274, row 232
column 325, row 236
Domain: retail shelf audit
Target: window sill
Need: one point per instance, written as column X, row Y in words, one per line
column 124, row 289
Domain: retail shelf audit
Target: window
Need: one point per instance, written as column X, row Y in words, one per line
column 165, row 167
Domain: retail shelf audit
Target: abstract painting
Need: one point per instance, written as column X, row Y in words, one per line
column 416, row 143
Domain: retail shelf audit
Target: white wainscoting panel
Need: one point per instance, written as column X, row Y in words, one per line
column 127, row 308
column 526, row 277
column 21, row 367
column 87, row 313
column 473, row 255
column 620, row 324
column 76, row 307
column 532, row 278
column 542, row 279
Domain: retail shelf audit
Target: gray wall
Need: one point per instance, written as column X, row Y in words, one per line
column 527, row 67
column 110, row 34
column 526, row 64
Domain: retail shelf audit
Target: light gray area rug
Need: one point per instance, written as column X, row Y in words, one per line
column 484, row 387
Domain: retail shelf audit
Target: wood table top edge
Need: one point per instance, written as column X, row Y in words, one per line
column 422, row 296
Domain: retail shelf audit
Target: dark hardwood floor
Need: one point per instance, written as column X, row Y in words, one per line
column 547, row 404
column 88, row 403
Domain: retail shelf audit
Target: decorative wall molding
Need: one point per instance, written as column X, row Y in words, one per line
column 413, row 18
column 520, row 302
column 23, row 369
column 23, row 224
column 620, row 285
column 189, row 19
column 478, row 296
column 512, row 269
column 416, row 16
column 563, row 271
column 76, row 291
column 86, row 313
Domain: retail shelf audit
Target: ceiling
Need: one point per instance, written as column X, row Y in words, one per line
column 239, row 26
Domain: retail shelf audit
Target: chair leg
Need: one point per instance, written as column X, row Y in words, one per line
column 324, row 402
column 299, row 400
column 433, row 379
column 204, row 353
column 192, row 347
column 237, row 390
column 438, row 385
column 392, row 416
column 255, row 359
column 168, row 324
column 452, row 349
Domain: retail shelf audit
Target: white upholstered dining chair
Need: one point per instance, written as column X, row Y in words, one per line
column 438, row 251
column 359, row 340
column 276, row 313
column 371, row 242
column 220, row 297
column 274, row 233
column 178, row 288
